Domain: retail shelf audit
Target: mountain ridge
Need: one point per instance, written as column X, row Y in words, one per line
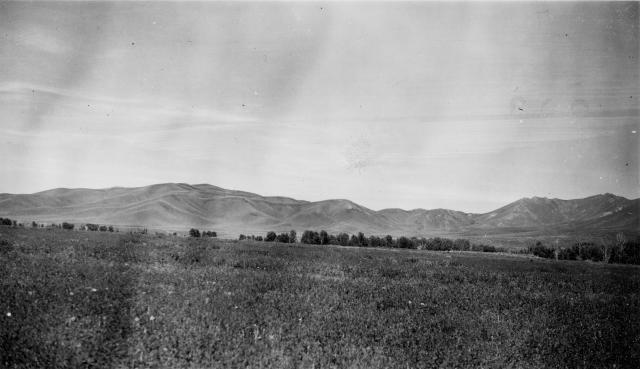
column 181, row 205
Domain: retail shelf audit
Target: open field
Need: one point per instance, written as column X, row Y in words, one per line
column 90, row 299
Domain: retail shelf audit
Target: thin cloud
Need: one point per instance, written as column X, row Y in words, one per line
column 21, row 88
column 129, row 111
column 40, row 39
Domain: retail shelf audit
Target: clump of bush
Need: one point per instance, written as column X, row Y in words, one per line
column 8, row 222
column 541, row 251
column 91, row 227
column 485, row 248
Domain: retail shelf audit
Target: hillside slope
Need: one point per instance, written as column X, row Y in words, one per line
column 180, row 206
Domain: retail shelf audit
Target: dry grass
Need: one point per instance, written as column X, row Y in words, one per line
column 83, row 299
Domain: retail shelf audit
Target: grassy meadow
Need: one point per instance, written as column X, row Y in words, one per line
column 71, row 299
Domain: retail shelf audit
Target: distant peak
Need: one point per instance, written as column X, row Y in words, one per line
column 608, row 195
column 338, row 201
column 533, row 199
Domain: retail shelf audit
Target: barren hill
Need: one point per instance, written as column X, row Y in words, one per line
column 180, row 206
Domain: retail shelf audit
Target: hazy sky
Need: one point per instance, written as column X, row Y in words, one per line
column 466, row 106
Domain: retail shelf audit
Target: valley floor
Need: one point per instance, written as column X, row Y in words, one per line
column 89, row 299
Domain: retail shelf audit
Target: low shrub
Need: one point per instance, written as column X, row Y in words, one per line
column 542, row 251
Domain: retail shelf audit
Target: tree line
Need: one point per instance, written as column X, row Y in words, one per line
column 361, row 240
column 15, row 224
column 196, row 233
column 94, row 227
column 63, row 225
column 619, row 250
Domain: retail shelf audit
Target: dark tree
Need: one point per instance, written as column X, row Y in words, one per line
column 194, row 233
column 242, row 237
column 404, row 243
column 307, row 237
column 324, row 237
column 310, row 237
column 293, row 236
column 362, row 240
column 461, row 244
column 283, row 238
column 343, row 239
column 271, row 236
column 547, row 252
column 421, row 243
column 353, row 241
column 389, row 240
column 66, row 225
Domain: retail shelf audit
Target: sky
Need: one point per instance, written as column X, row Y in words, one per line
column 465, row 106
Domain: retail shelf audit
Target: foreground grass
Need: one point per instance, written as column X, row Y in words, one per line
column 84, row 299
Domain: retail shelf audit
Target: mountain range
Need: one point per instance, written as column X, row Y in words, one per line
column 178, row 206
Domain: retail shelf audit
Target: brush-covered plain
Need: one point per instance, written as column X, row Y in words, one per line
column 73, row 299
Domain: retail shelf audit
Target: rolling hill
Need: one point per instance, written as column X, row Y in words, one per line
column 177, row 206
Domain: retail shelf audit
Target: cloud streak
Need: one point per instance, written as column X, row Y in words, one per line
column 39, row 39
column 130, row 113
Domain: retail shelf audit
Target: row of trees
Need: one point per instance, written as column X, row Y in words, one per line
column 343, row 239
column 402, row 242
column 619, row 250
column 285, row 237
column 609, row 250
column 93, row 227
column 196, row 233
column 63, row 225
column 15, row 224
